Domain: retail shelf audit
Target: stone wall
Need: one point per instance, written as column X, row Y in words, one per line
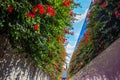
column 17, row 66
column 106, row 66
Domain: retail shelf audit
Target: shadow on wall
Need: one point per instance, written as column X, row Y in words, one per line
column 15, row 66
column 99, row 76
column 104, row 67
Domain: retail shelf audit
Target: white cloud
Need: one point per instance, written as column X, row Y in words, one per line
column 81, row 17
column 70, row 48
column 69, row 51
column 71, row 45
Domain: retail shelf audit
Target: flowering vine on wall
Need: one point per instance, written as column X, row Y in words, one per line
column 103, row 29
column 38, row 28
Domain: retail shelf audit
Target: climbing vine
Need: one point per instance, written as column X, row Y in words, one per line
column 38, row 27
column 103, row 29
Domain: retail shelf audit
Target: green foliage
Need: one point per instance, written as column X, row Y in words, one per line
column 40, row 34
column 103, row 28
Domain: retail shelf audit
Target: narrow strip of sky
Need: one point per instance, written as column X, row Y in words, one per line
column 77, row 25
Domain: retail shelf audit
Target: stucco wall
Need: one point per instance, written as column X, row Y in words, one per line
column 106, row 66
column 17, row 66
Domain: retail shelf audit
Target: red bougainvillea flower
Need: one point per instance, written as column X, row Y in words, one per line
column 100, row 51
column 87, row 34
column 79, row 65
column 96, row 1
column 86, row 40
column 103, row 4
column 53, row 13
column 30, row 15
column 71, row 14
column 41, row 11
column 66, row 3
column 36, row 27
column 58, row 39
column 66, row 31
column 117, row 14
column 41, row 8
column 50, row 10
column 35, row 9
column 52, row 75
column 10, row 9
column 119, row 5
column 61, row 39
column 102, row 43
column 56, row 71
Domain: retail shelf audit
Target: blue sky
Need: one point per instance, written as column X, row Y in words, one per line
column 77, row 25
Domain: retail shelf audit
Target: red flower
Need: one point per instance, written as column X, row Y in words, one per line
column 35, row 9
column 52, row 75
column 56, row 72
column 53, row 13
column 50, row 11
column 86, row 40
column 94, row 1
column 99, row 51
column 61, row 39
column 66, row 3
column 36, row 27
column 87, row 35
column 102, row 43
column 117, row 13
column 88, row 32
column 71, row 14
column 10, row 9
column 119, row 5
column 41, row 8
column 41, row 11
column 103, row 4
column 30, row 15
column 66, row 31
